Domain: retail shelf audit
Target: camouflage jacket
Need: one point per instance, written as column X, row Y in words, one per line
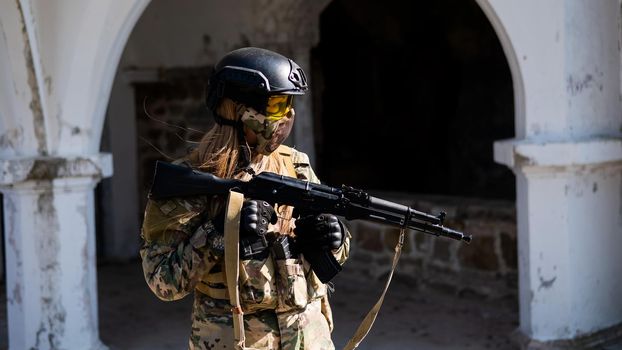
column 283, row 301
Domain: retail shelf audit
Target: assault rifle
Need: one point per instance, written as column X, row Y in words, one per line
column 178, row 181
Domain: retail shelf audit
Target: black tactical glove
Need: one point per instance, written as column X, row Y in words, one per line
column 255, row 217
column 323, row 231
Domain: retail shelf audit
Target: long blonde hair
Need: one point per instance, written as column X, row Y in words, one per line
column 218, row 153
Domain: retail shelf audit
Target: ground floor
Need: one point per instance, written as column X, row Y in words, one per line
column 413, row 316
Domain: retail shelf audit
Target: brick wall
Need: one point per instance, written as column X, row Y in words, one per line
column 487, row 266
column 171, row 116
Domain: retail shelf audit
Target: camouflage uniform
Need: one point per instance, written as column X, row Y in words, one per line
column 285, row 305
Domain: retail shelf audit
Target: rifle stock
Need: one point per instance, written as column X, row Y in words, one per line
column 172, row 180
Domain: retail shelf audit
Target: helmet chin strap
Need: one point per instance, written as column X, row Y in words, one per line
column 224, row 121
column 244, row 160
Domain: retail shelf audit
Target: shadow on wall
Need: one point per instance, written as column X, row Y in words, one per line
column 412, row 85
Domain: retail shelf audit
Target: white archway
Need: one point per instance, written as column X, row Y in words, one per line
column 57, row 62
column 566, row 155
column 513, row 63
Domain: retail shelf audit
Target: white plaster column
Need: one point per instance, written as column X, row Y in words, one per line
column 569, row 225
column 50, row 248
column 57, row 64
column 567, row 157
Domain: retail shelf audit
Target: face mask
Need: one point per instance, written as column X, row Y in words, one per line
column 270, row 132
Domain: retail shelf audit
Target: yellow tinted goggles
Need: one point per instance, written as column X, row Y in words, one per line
column 278, row 106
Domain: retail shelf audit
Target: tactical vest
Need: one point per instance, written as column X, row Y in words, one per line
column 270, row 284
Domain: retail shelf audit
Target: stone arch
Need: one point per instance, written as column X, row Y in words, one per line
column 519, row 129
column 513, row 61
column 60, row 62
column 559, row 130
column 111, row 61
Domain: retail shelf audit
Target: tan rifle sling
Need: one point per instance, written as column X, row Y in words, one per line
column 368, row 321
column 232, row 253
column 232, row 266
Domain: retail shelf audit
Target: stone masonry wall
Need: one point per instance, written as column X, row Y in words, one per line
column 171, row 118
column 487, row 266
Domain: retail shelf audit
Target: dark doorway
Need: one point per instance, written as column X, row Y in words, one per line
column 412, row 85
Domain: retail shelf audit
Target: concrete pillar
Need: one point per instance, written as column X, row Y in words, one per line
column 50, row 241
column 568, row 233
column 567, row 157
column 57, row 63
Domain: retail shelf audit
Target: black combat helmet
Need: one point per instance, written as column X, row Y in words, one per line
column 250, row 75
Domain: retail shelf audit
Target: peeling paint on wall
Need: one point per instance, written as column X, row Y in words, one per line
column 52, row 326
column 521, row 160
column 576, row 86
column 15, row 171
column 53, row 168
column 10, row 211
column 86, row 260
column 35, row 103
column 12, row 139
column 546, row 284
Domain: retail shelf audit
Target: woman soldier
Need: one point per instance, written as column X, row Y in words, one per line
column 283, row 303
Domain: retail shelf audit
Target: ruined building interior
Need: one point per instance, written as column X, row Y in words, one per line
column 448, row 105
